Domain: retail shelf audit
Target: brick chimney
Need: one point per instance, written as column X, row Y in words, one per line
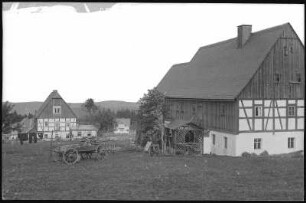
column 244, row 32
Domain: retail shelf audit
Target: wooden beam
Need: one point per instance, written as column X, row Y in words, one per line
column 246, row 115
column 280, row 121
column 268, row 115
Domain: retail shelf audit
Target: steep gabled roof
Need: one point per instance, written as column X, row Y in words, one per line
column 53, row 95
column 220, row 70
column 27, row 124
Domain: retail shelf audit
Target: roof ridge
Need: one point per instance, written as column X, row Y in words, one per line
column 270, row 28
column 215, row 44
column 257, row 32
column 179, row 64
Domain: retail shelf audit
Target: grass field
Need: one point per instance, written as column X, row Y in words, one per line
column 129, row 174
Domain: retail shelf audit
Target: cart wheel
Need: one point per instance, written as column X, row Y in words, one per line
column 71, row 156
column 57, row 156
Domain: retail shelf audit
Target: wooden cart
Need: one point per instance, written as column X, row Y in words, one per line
column 70, row 154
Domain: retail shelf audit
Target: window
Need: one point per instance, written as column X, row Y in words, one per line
column 79, row 134
column 225, row 142
column 88, row 134
column 57, row 126
column 286, row 51
column 258, row 111
column 214, row 139
column 46, row 135
column 257, row 143
column 291, row 110
column 298, row 77
column 276, row 77
column 46, row 123
column 56, row 109
column 290, row 142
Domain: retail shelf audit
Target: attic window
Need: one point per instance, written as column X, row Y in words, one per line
column 56, row 109
column 298, row 77
column 276, row 78
column 286, row 51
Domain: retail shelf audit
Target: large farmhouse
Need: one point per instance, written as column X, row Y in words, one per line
column 247, row 93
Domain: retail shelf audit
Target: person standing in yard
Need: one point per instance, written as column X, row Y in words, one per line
column 20, row 138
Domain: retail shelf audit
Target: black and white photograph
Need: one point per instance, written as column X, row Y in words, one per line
column 153, row 101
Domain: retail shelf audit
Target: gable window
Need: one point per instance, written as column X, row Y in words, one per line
column 286, row 51
column 276, row 78
column 290, row 142
column 56, row 109
column 225, row 142
column 258, row 111
column 214, row 139
column 298, row 77
column 257, row 143
column 291, row 110
column 46, row 135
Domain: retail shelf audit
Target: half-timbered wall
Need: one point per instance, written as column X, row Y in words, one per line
column 212, row 115
column 55, row 124
column 281, row 75
column 278, row 83
column 271, row 115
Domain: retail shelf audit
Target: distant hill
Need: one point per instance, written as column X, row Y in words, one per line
column 30, row 107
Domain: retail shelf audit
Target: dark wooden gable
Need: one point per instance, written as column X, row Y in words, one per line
column 54, row 99
column 278, row 75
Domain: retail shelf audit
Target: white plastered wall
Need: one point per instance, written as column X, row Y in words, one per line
column 276, row 143
column 219, row 147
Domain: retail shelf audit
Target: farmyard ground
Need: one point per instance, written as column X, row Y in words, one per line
column 129, row 174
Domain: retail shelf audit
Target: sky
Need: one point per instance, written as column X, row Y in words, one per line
column 121, row 52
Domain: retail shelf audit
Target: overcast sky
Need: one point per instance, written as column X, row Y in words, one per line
column 119, row 53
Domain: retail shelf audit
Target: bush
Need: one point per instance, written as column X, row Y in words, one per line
column 246, row 154
column 253, row 154
column 264, row 153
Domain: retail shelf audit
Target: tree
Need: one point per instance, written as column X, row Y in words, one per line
column 90, row 106
column 10, row 118
column 150, row 117
column 105, row 119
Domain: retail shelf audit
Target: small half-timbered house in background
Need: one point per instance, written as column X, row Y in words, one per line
column 55, row 119
column 55, row 116
column 247, row 92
